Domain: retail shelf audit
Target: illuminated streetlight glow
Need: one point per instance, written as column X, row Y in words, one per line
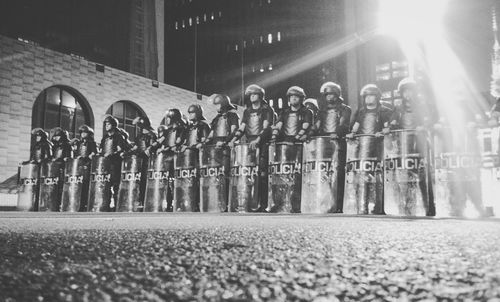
column 417, row 25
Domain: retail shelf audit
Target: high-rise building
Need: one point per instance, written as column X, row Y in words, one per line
column 225, row 45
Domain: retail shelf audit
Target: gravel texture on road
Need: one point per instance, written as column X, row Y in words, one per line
column 261, row 257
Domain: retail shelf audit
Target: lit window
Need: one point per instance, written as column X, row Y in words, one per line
column 278, row 37
column 253, row 41
column 212, row 16
column 235, row 47
column 197, row 20
column 253, row 68
column 270, row 67
column 176, row 25
column 280, row 103
column 125, row 112
column 271, row 102
column 261, row 39
column 183, row 24
column 204, row 17
column 270, row 38
column 261, row 68
column 190, row 22
column 244, row 44
column 60, row 107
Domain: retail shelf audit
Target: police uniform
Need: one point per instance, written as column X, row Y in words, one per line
column 113, row 144
column 335, row 120
column 292, row 123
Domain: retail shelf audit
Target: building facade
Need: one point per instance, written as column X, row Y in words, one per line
column 44, row 88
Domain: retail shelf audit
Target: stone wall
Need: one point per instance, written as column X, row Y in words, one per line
column 27, row 69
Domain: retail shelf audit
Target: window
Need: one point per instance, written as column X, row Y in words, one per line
column 270, row 38
column 126, row 112
column 59, row 106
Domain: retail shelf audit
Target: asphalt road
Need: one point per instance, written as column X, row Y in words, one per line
column 157, row 257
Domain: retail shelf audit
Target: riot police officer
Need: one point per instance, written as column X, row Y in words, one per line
column 408, row 142
column 255, row 127
column 197, row 130
column 113, row 145
column 86, row 146
column 135, row 162
column 173, row 134
column 364, row 186
column 145, row 138
column 334, row 122
column 257, row 118
column 61, row 147
column 225, row 123
column 411, row 113
column 42, row 148
column 312, row 104
column 29, row 180
column 372, row 117
column 75, row 193
column 294, row 122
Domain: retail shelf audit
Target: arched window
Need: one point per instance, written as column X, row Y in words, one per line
column 60, row 106
column 126, row 112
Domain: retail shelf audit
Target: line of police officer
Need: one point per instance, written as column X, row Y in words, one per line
column 310, row 159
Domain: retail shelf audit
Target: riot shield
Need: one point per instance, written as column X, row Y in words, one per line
column 100, row 185
column 320, row 178
column 51, row 182
column 244, row 179
column 186, row 188
column 457, row 165
column 28, row 187
column 406, row 188
column 76, row 185
column 130, row 185
column 364, row 187
column 214, row 178
column 285, row 177
column 489, row 142
column 158, row 197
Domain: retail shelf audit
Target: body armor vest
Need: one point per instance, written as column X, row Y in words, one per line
column 85, row 148
column 109, row 147
column 40, row 151
column 408, row 120
column 292, row 123
column 222, row 128
column 192, row 136
column 62, row 150
column 254, row 126
column 368, row 124
column 171, row 137
column 38, row 154
column 330, row 120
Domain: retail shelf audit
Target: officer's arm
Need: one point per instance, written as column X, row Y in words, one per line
column 355, row 127
column 393, row 123
column 48, row 151
column 266, row 126
column 239, row 133
column 344, row 121
column 205, row 132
